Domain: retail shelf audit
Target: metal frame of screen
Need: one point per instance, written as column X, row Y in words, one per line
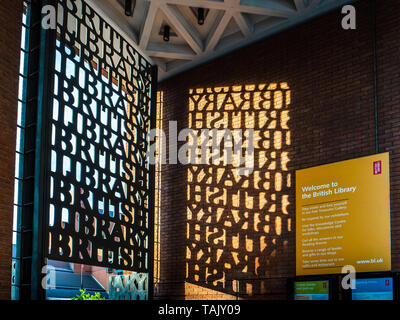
column 28, row 257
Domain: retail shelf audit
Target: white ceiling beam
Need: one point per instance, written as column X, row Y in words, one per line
column 110, row 13
column 243, row 24
column 148, row 25
column 176, row 64
column 210, row 18
column 267, row 11
column 275, row 8
column 161, row 64
column 187, row 13
column 194, row 3
column 217, row 30
column 183, row 28
column 261, row 7
column 169, row 51
column 169, row 55
column 273, row 4
column 299, row 5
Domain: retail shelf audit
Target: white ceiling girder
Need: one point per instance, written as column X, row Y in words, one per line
column 161, row 64
column 183, row 28
column 169, row 51
column 218, row 30
column 261, row 7
column 243, row 24
column 209, row 4
column 148, row 25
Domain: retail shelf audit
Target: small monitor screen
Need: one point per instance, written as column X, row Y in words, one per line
column 373, row 289
column 311, row 290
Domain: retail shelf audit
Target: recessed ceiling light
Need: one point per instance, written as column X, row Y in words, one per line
column 166, row 33
column 129, row 7
column 200, row 16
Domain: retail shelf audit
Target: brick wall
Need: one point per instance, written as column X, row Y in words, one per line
column 10, row 38
column 388, row 83
column 330, row 75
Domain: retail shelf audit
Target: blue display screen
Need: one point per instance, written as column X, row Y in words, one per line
column 373, row 289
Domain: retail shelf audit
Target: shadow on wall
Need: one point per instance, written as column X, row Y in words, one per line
column 238, row 225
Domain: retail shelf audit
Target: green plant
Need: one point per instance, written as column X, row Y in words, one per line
column 88, row 296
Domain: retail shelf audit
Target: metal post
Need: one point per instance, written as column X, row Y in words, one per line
column 41, row 191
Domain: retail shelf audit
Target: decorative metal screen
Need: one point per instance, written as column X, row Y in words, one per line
column 128, row 287
column 98, row 173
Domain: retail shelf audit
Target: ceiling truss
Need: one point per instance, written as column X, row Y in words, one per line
column 228, row 24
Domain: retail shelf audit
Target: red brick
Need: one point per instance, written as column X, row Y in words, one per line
column 330, row 73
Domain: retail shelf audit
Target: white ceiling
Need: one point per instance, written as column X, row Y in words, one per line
column 229, row 24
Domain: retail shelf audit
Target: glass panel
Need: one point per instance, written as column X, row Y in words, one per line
column 20, row 110
column 19, row 135
column 21, row 86
column 16, row 235
column 18, row 162
column 66, row 280
column 22, row 59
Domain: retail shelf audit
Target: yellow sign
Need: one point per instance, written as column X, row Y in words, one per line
column 343, row 216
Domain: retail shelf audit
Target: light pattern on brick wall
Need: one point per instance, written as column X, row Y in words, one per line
column 157, row 194
column 235, row 222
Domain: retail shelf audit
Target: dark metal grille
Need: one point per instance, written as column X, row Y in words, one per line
column 99, row 200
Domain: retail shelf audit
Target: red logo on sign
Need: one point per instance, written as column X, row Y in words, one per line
column 387, row 282
column 377, row 167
